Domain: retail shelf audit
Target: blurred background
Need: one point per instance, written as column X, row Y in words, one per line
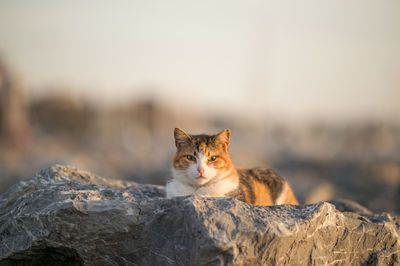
column 308, row 88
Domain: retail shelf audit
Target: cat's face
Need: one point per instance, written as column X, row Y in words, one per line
column 201, row 158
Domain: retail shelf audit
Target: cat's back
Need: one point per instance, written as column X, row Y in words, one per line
column 263, row 186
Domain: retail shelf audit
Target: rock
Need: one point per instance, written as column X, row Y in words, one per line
column 66, row 216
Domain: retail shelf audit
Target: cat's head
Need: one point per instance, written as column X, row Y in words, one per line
column 201, row 158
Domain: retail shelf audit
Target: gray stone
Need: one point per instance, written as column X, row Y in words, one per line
column 66, row 216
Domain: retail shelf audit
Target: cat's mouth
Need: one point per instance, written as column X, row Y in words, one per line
column 201, row 178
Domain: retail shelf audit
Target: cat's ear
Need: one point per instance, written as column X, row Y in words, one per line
column 223, row 137
column 181, row 137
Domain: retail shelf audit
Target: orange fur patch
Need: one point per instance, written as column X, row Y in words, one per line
column 290, row 197
column 262, row 193
column 245, row 192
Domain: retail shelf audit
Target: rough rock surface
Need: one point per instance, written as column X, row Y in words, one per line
column 66, row 216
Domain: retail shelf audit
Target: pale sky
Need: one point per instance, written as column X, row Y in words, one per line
column 322, row 59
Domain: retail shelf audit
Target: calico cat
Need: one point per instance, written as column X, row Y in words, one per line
column 202, row 165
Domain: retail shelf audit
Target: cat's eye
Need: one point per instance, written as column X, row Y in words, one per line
column 191, row 158
column 213, row 158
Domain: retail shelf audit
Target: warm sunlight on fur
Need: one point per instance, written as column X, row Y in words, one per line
column 202, row 165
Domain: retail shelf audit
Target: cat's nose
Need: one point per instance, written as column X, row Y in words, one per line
column 200, row 170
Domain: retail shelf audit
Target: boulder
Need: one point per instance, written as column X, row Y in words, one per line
column 66, row 216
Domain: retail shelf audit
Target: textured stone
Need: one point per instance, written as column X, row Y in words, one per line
column 67, row 216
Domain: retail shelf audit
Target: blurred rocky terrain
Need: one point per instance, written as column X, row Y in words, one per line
column 323, row 160
column 53, row 219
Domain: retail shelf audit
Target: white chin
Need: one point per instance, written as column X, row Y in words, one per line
column 201, row 180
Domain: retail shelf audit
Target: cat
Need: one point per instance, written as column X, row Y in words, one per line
column 202, row 165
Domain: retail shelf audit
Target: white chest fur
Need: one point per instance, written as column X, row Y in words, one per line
column 176, row 188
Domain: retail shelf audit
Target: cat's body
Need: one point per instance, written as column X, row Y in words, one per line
column 202, row 165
